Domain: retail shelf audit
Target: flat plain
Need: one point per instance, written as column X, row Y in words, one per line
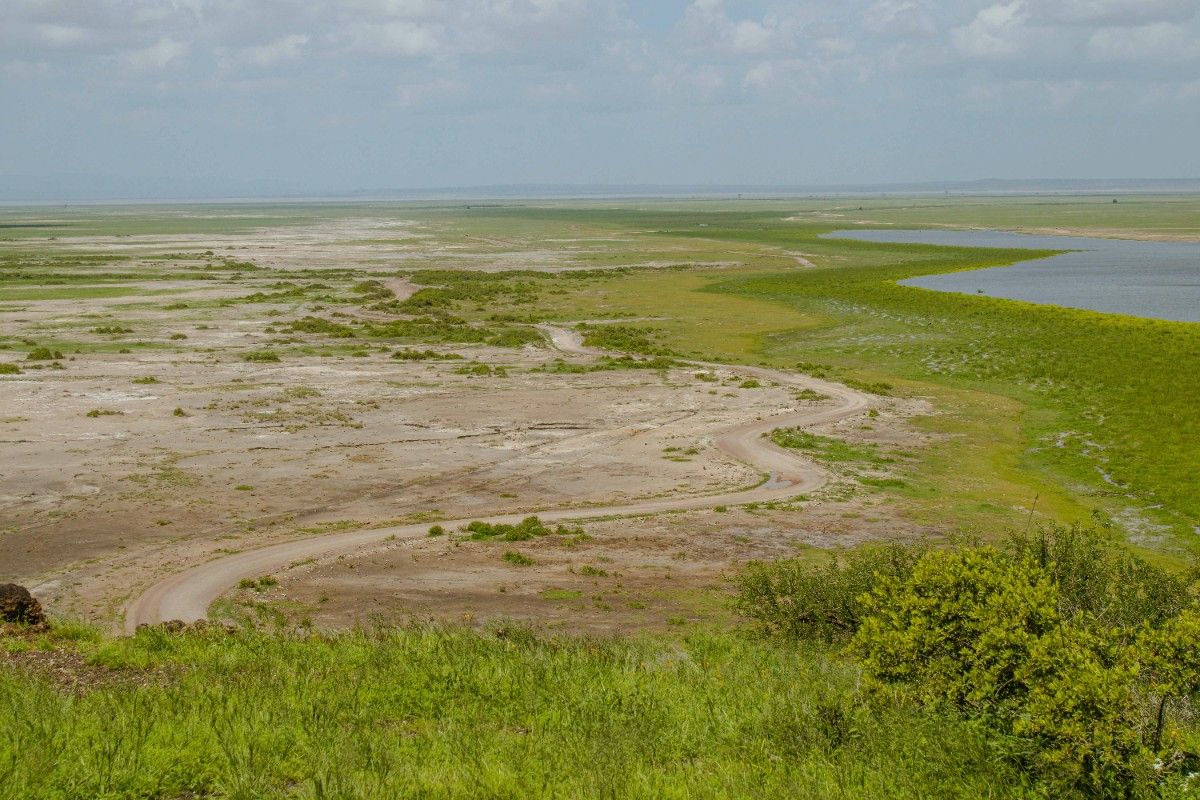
column 224, row 377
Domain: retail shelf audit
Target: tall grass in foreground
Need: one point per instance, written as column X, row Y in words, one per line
column 450, row 713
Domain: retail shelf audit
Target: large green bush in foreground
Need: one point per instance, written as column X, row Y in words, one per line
column 1082, row 658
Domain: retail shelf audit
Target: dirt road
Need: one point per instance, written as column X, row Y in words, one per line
column 187, row 595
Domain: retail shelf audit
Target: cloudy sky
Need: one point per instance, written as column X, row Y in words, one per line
column 358, row 94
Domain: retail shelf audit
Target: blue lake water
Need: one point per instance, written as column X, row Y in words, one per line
column 1118, row 276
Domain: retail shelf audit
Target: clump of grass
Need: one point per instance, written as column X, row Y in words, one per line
column 258, row 584
column 560, row 594
column 177, row 336
column 179, row 412
column 482, row 370
column 828, row 449
column 242, row 487
column 437, row 530
column 9, row 369
column 44, row 354
column 871, row 387
column 112, row 330
column 524, row 530
column 322, row 326
column 148, row 379
column 810, row 394
column 593, row 572
column 261, row 356
column 104, row 412
column 750, row 383
column 423, row 355
column 518, row 559
column 607, row 364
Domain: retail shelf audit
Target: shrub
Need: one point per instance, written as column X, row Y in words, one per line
column 957, row 627
column 1098, row 577
column 1170, row 658
column 423, row 355
column 322, row 326
column 524, row 530
column 262, row 356
column 437, row 530
column 44, row 354
column 481, row 370
column 518, row 559
column 622, row 338
column 981, row 633
column 803, row 599
column 9, row 369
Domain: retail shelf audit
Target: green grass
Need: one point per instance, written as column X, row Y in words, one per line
column 825, row 448
column 1104, row 393
column 1090, row 413
column 451, row 713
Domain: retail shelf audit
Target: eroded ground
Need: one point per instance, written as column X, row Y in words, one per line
column 186, row 405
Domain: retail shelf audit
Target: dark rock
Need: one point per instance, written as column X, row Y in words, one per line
column 18, row 605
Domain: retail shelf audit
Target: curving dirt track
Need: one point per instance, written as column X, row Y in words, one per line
column 187, row 595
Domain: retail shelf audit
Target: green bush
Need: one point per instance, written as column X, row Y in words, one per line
column 958, row 627
column 822, row 600
column 9, row 369
column 1099, row 578
column 988, row 635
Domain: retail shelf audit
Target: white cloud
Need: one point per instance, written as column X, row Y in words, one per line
column 1159, row 41
column 416, row 94
column 399, row 38
column 759, row 76
column 706, row 26
column 284, row 49
column 1115, row 13
column 157, row 56
column 902, row 19
column 62, row 35
column 996, row 32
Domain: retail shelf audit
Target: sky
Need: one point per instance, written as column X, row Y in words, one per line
column 345, row 95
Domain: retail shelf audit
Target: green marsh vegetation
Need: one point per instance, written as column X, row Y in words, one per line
column 1089, row 411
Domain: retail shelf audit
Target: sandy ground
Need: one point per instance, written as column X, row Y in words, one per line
column 109, row 482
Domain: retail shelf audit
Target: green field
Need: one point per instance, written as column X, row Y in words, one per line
column 445, row 713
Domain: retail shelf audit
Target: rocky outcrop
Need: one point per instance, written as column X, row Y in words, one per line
column 17, row 605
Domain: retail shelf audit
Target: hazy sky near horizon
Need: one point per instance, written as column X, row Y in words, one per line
column 329, row 95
